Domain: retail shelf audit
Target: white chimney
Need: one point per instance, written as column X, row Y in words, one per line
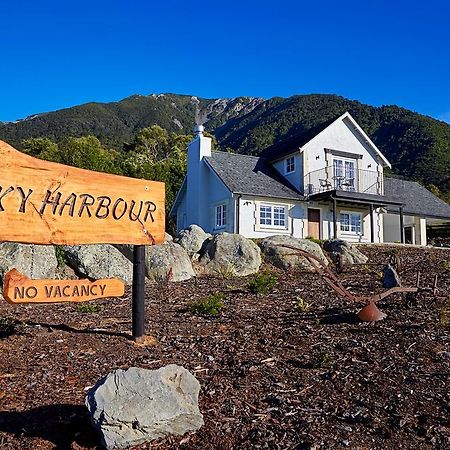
column 197, row 190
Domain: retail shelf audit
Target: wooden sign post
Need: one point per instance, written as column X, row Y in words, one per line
column 17, row 288
column 43, row 202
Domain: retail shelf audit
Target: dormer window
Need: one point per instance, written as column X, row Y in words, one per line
column 290, row 164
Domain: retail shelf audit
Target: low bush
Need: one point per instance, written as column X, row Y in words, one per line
column 208, row 306
column 261, row 283
column 89, row 308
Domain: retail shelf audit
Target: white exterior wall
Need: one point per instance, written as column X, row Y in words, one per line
column 340, row 136
column 392, row 228
column 296, row 177
column 327, row 226
column 249, row 217
column 204, row 191
column 215, row 193
column 298, row 220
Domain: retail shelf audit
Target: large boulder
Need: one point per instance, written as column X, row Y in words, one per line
column 344, row 253
column 34, row 261
column 192, row 239
column 285, row 258
column 136, row 405
column 98, row 261
column 128, row 249
column 230, row 254
column 168, row 260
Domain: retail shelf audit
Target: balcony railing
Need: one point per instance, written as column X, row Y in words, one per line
column 358, row 180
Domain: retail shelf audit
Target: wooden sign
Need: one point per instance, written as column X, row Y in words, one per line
column 17, row 288
column 48, row 203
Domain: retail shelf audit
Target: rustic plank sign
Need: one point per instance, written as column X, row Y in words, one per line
column 43, row 202
column 17, row 288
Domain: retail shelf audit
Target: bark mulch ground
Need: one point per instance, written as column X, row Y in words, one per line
column 292, row 369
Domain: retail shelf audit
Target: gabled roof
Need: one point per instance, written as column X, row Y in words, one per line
column 416, row 199
column 295, row 143
column 251, row 175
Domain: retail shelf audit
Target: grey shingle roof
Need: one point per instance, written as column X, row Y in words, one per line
column 251, row 175
column 416, row 199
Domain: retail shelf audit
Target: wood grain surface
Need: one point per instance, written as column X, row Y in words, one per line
column 17, row 288
column 43, row 202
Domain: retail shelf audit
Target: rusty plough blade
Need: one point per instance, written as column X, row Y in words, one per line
column 370, row 312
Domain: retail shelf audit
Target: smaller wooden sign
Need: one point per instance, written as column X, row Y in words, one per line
column 17, row 288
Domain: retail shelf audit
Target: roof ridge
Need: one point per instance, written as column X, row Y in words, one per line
column 238, row 154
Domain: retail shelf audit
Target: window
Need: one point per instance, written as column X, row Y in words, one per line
column 272, row 216
column 344, row 174
column 290, row 164
column 221, row 216
column 351, row 222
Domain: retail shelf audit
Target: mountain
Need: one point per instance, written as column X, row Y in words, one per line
column 417, row 146
column 117, row 122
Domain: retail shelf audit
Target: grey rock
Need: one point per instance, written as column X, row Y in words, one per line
column 161, row 259
column 230, row 254
column 348, row 253
column 127, row 249
column 34, row 261
column 192, row 239
column 390, row 277
column 136, row 405
column 98, row 261
column 285, row 258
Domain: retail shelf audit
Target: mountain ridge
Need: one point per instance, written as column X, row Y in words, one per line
column 418, row 146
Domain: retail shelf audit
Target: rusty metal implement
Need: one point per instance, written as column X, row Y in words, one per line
column 370, row 312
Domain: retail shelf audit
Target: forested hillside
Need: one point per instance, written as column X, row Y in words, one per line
column 417, row 146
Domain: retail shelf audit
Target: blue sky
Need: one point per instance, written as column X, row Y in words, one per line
column 56, row 54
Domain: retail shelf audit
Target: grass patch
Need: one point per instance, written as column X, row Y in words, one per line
column 226, row 271
column 89, row 308
column 262, row 283
column 208, row 306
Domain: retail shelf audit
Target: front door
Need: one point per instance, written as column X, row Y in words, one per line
column 314, row 223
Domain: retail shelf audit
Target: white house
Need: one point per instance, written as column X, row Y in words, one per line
column 326, row 183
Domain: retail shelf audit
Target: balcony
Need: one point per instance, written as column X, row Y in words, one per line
column 355, row 180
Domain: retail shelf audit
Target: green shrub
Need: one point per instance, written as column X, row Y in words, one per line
column 89, row 308
column 261, row 283
column 208, row 306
